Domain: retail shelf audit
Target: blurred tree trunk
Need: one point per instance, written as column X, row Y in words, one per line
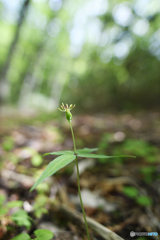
column 4, row 85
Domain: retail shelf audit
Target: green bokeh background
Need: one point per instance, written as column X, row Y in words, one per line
column 101, row 55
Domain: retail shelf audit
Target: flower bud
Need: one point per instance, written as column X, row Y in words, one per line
column 67, row 110
column 69, row 116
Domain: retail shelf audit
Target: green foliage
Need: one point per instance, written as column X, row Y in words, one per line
column 140, row 148
column 90, row 66
column 3, row 211
column 147, row 153
column 43, row 234
column 5, row 207
column 60, row 153
column 66, row 158
column 144, row 200
column 40, row 234
column 40, row 205
column 8, row 143
column 148, row 173
column 100, row 155
column 22, row 236
column 132, row 192
column 21, row 218
column 13, row 204
column 53, row 167
column 86, row 150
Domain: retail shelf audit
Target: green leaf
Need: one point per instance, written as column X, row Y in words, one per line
column 87, row 155
column 22, row 218
column 40, row 205
column 22, row 236
column 3, row 211
column 130, row 191
column 144, row 201
column 86, row 150
column 60, row 153
column 13, row 204
column 43, row 234
column 53, row 167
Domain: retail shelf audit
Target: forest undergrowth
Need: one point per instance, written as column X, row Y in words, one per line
column 121, row 194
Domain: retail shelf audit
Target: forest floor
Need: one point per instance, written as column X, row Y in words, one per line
column 122, row 194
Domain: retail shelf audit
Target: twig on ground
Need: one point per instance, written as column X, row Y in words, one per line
column 104, row 232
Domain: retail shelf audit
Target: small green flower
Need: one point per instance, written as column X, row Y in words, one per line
column 67, row 110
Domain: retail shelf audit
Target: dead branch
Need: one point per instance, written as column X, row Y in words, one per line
column 104, row 232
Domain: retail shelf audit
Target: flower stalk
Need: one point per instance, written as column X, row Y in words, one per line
column 67, row 110
column 78, row 181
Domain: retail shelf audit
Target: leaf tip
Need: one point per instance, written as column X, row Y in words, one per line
column 31, row 189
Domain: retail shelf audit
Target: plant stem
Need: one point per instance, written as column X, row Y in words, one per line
column 78, row 181
column 73, row 138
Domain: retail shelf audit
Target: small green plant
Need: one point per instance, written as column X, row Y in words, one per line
column 66, row 157
column 22, row 219
column 40, row 205
column 140, row 148
column 40, row 234
column 12, row 212
column 133, row 193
